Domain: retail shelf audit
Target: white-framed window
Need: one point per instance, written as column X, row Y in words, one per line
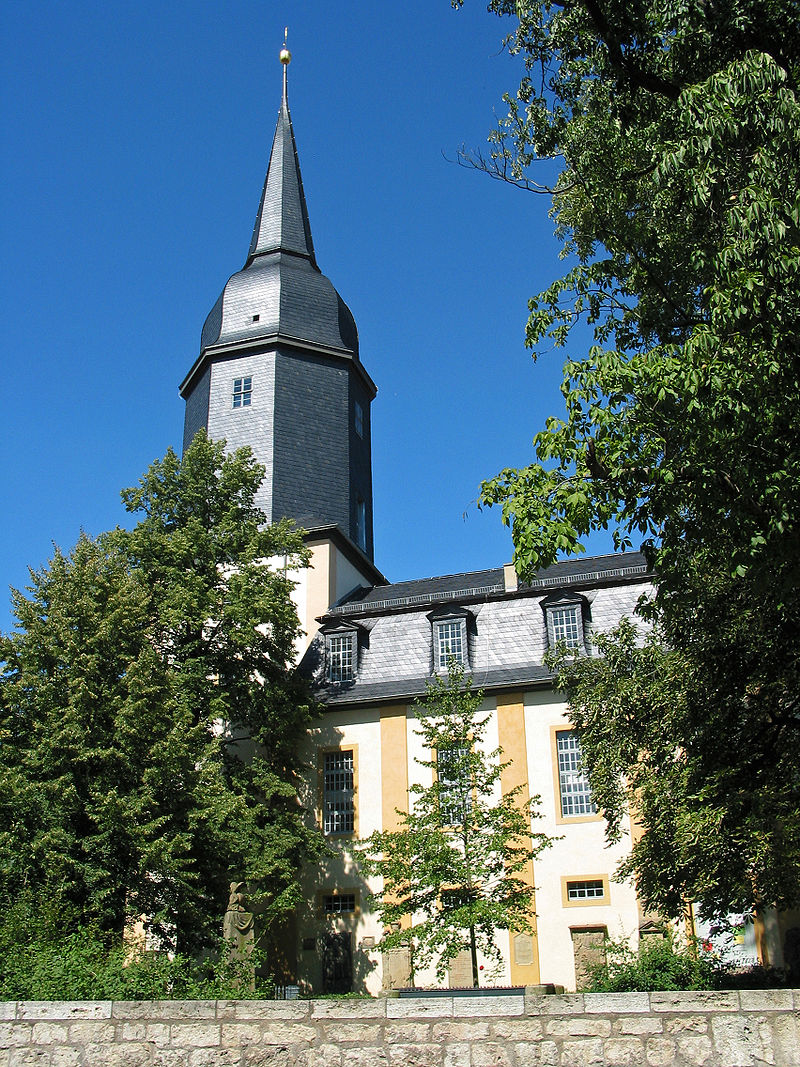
column 449, row 642
column 358, row 418
column 455, row 795
column 242, row 392
column 338, row 792
column 340, row 656
column 586, row 889
column 573, row 784
column 566, row 625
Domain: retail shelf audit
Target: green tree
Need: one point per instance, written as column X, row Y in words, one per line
column 453, row 870
column 150, row 713
column 676, row 128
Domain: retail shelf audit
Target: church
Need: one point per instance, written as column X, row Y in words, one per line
column 280, row 370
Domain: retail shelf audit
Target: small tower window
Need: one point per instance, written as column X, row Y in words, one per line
column 361, row 524
column 242, row 392
column 256, row 318
column 359, row 419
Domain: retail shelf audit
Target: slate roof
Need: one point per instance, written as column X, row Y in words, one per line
column 280, row 285
column 591, row 569
column 506, row 631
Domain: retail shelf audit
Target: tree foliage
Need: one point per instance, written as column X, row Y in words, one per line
column 150, row 713
column 676, row 127
column 453, row 870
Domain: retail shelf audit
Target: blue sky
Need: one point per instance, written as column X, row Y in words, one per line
column 135, row 141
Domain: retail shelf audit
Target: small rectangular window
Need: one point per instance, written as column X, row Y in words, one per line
column 590, row 889
column 338, row 903
column 242, row 392
column 358, row 419
column 576, row 796
column 341, row 657
column 566, row 625
column 450, row 642
column 361, row 524
column 338, row 803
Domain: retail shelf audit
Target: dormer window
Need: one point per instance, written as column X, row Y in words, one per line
column 565, row 615
column 242, row 392
column 341, row 654
column 450, row 643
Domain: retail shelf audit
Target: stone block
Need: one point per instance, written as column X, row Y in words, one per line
column 785, row 1030
column 423, row 1055
column 516, row 1029
column 287, row 1033
column 540, row 1054
column 348, row 1009
column 587, row 1053
column 170, row 1057
column 637, row 1024
column 8, row 1010
column 557, row 1004
column 367, row 1057
column 407, row 1033
column 142, row 1030
column 131, row 1055
column 579, row 1026
column 705, row 1000
column 490, row 1054
column 461, row 1030
column 737, row 1041
column 263, row 1009
column 616, row 1003
column 65, row 1057
column 53, row 1033
column 766, row 999
column 195, row 1034
column 88, row 1032
column 325, row 1056
column 432, row 1007
column 236, row 1035
column 15, row 1034
column 164, row 1009
column 457, row 1055
column 695, row 1049
column 64, row 1009
column 478, row 1006
column 676, row 1024
column 338, row 1031
column 273, row 1056
column 29, row 1056
column 660, row 1052
column 623, row 1052
column 215, row 1057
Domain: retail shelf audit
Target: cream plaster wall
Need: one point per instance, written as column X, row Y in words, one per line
column 581, row 851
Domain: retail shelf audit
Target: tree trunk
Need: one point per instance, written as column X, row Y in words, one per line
column 473, row 948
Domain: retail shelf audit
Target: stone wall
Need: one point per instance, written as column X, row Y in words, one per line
column 726, row 1029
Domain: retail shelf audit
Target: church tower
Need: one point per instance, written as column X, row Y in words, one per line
column 279, row 370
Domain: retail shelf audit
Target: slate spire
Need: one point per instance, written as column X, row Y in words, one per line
column 282, row 221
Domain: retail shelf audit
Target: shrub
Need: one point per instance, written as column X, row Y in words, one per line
column 659, row 964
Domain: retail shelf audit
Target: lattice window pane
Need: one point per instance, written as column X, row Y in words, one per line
column 339, row 903
column 242, row 392
column 589, row 889
column 576, row 796
column 338, row 815
column 567, row 626
column 450, row 638
column 341, row 656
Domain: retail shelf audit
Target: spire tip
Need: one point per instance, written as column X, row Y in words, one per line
column 285, row 54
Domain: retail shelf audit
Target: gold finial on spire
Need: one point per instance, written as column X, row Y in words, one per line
column 285, row 55
column 286, row 59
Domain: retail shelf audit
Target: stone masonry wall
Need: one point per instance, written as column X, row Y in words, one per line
column 725, row 1029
